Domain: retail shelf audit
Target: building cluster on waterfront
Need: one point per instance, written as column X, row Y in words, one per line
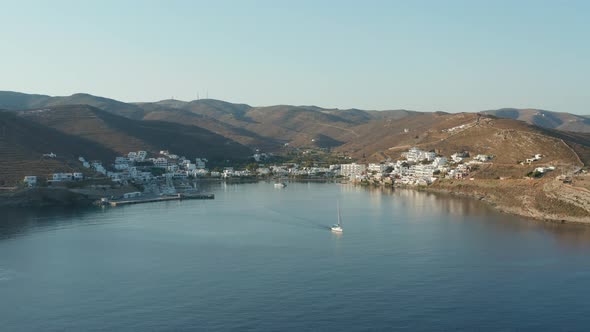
column 141, row 167
column 415, row 167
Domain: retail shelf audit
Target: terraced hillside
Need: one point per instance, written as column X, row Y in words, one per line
column 23, row 143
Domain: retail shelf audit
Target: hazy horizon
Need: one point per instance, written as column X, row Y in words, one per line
column 455, row 56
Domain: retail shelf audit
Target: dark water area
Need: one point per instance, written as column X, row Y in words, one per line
column 261, row 258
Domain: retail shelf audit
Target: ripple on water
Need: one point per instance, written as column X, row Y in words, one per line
column 6, row 274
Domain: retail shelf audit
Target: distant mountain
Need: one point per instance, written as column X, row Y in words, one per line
column 10, row 100
column 19, row 101
column 213, row 127
column 546, row 119
column 271, row 127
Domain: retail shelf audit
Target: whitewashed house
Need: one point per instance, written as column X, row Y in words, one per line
column 200, row 163
column 30, row 180
column 141, row 155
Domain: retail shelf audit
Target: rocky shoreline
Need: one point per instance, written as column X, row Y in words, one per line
column 559, row 209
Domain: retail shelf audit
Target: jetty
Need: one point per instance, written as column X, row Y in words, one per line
column 140, row 200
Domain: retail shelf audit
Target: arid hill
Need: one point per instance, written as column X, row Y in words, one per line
column 545, row 119
column 510, row 141
column 123, row 134
column 372, row 135
column 271, row 127
column 24, row 142
column 20, row 101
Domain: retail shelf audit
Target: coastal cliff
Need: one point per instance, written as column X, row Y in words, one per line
column 547, row 199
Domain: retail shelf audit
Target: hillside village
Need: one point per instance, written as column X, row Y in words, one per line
column 158, row 173
column 94, row 146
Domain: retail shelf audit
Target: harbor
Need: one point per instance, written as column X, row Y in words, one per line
column 140, row 199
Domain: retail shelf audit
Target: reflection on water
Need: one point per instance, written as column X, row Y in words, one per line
column 261, row 258
column 570, row 235
column 17, row 222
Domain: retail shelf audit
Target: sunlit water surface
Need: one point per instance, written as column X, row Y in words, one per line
column 260, row 258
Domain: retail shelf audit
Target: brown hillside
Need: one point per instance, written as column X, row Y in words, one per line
column 23, row 143
column 510, row 141
column 243, row 136
column 297, row 125
column 123, row 135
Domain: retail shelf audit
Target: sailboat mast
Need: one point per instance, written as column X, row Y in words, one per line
column 339, row 218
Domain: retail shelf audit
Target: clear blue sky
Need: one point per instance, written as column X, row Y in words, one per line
column 423, row 55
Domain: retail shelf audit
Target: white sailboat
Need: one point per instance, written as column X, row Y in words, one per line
column 280, row 185
column 337, row 227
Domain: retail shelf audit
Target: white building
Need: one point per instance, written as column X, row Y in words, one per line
column 161, row 162
column 279, row 170
column 198, row 172
column 30, row 180
column 544, row 169
column 97, row 165
column 59, row 177
column 535, row 158
column 420, row 171
column 200, row 162
column 379, row 168
column 459, row 156
column 132, row 194
column 141, row 155
column 263, row 171
column 482, row 157
column 439, row 162
column 353, row 169
column 416, row 155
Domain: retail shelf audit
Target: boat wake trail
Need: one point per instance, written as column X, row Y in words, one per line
column 298, row 221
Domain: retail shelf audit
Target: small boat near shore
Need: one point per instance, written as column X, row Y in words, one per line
column 280, row 185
